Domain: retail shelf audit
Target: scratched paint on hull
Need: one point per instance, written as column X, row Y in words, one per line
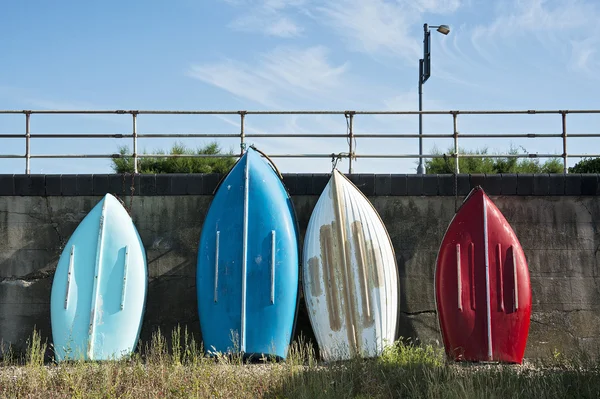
column 315, row 286
column 353, row 298
column 329, row 255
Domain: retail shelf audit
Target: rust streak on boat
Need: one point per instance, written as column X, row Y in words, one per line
column 374, row 276
column 328, row 258
column 315, row 282
column 378, row 262
column 366, row 283
column 344, row 257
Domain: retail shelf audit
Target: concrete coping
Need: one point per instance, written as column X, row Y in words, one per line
column 302, row 184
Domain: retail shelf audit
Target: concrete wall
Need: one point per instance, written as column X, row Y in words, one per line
column 555, row 217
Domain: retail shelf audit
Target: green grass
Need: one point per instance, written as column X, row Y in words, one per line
column 158, row 370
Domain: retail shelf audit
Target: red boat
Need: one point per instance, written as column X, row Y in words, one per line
column 482, row 288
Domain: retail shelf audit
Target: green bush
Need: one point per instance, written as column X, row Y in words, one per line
column 485, row 164
column 177, row 164
column 586, row 165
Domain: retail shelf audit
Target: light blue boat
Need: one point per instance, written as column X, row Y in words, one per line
column 99, row 289
column 247, row 276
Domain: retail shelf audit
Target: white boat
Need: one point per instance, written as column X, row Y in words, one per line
column 351, row 284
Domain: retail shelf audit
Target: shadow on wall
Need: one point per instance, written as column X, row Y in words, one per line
column 25, row 307
column 303, row 206
column 416, row 229
column 403, row 254
column 34, row 231
column 170, row 235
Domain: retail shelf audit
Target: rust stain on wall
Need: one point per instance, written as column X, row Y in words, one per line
column 315, row 282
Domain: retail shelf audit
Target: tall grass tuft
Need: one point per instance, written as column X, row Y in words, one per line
column 182, row 370
column 36, row 350
column 405, row 353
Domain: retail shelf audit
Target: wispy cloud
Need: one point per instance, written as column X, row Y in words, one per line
column 585, row 56
column 436, row 6
column 277, row 76
column 566, row 29
column 381, row 27
column 268, row 17
column 375, row 27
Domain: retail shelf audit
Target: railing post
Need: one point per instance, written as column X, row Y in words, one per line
column 564, row 137
column 350, row 119
column 135, row 157
column 456, row 168
column 27, row 142
column 242, row 132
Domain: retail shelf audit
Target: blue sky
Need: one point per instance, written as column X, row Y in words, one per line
column 295, row 55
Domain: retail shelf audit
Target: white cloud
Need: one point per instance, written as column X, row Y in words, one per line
column 283, row 27
column 281, row 4
column 273, row 25
column 269, row 17
column 374, row 26
column 282, row 74
column 382, row 27
column 542, row 16
column 437, row 6
column 235, row 78
column 565, row 28
column 585, row 55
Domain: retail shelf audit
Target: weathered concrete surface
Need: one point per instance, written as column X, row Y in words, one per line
column 559, row 234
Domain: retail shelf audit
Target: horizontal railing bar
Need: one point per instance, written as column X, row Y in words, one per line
column 81, row 136
column 509, row 155
column 334, row 155
column 117, row 156
column 189, row 135
column 517, row 135
column 584, row 135
column 505, row 136
column 118, row 111
column 118, row 135
column 305, row 112
column 74, row 156
column 280, row 135
column 299, row 135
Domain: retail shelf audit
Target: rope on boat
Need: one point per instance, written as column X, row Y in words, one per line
column 269, row 159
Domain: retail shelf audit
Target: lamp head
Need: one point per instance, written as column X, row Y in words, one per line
column 443, row 29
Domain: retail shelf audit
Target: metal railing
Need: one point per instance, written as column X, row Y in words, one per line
column 350, row 135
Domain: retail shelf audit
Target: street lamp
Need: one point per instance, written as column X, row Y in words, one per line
column 424, row 73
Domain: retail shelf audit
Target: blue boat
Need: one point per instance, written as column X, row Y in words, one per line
column 99, row 288
column 248, row 263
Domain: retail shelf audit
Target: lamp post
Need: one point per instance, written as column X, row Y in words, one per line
column 424, row 73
